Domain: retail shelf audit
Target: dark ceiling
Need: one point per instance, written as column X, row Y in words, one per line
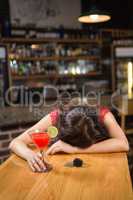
column 121, row 12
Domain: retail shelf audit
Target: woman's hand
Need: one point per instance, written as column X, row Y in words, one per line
column 35, row 162
column 60, row 146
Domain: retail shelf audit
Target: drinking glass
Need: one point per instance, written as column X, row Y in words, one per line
column 41, row 140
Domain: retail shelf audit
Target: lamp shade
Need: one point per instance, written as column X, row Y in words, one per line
column 94, row 15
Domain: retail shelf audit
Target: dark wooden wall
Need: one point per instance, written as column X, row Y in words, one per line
column 4, row 16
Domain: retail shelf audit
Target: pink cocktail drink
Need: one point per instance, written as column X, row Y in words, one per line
column 40, row 139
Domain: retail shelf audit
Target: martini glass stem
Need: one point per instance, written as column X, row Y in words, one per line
column 48, row 166
column 42, row 153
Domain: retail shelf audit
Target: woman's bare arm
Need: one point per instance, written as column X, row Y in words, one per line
column 19, row 145
column 117, row 142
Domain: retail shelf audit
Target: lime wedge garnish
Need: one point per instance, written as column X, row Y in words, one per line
column 37, row 130
column 52, row 131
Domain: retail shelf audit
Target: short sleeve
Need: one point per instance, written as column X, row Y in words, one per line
column 54, row 115
column 102, row 112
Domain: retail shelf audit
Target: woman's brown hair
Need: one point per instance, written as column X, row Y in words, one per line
column 78, row 127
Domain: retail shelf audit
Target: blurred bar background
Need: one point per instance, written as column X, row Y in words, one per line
column 45, row 51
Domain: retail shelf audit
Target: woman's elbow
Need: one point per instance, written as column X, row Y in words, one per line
column 125, row 146
column 11, row 145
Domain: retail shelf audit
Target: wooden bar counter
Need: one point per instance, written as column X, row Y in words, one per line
column 104, row 177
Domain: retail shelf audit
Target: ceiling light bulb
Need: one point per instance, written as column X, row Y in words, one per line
column 94, row 17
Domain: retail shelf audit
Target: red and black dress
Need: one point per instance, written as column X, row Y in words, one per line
column 102, row 112
column 98, row 120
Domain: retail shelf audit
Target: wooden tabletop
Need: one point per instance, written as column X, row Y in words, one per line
column 104, row 177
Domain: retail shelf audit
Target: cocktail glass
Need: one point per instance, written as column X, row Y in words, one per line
column 41, row 140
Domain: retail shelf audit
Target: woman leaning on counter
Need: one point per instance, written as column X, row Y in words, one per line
column 79, row 132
